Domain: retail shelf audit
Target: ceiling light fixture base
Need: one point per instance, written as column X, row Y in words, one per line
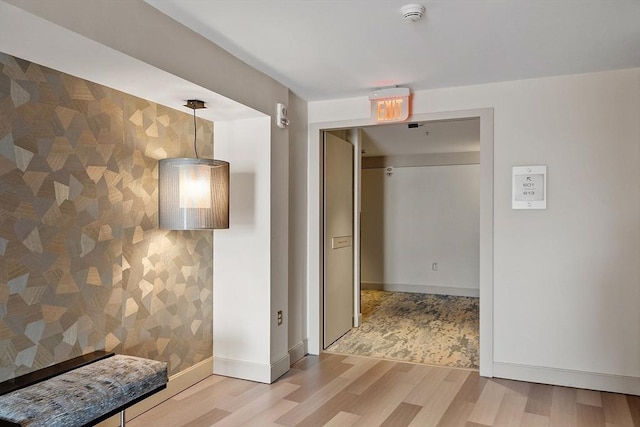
column 195, row 104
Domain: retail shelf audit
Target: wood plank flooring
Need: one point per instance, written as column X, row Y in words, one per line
column 341, row 391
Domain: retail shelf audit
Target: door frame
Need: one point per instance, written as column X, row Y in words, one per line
column 314, row 220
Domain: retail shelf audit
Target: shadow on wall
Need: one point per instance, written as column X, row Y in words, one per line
column 243, row 198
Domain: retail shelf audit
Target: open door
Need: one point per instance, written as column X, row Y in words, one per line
column 338, row 238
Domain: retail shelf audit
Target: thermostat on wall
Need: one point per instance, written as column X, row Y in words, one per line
column 529, row 187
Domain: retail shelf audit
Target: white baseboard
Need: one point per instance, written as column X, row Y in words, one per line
column 252, row 371
column 280, row 368
column 298, row 351
column 421, row 289
column 568, row 378
column 177, row 383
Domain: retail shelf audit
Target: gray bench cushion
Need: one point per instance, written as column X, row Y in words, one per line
column 82, row 395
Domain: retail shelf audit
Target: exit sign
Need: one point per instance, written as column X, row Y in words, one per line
column 390, row 104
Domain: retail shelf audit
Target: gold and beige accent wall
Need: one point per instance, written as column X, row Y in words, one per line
column 83, row 265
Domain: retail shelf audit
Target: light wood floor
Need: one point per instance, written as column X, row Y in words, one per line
column 341, row 391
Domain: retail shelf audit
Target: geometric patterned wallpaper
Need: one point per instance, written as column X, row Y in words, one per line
column 83, row 265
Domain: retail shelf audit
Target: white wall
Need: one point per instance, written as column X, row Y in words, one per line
column 296, row 314
column 417, row 217
column 566, row 290
column 278, row 193
column 241, row 327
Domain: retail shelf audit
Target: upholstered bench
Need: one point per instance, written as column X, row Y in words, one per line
column 80, row 392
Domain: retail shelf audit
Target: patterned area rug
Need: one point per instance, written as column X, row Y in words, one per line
column 433, row 329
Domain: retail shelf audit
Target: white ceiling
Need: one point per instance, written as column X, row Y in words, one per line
column 326, row 49
column 448, row 136
column 338, row 48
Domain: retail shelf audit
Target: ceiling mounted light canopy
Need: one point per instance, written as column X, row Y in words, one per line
column 193, row 193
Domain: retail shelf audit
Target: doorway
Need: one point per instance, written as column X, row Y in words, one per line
column 419, row 244
column 315, row 276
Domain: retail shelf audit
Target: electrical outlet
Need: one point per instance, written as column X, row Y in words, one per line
column 279, row 317
column 434, row 266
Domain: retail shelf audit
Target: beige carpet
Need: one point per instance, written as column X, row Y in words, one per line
column 433, row 329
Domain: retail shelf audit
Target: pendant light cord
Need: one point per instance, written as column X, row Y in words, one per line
column 195, row 134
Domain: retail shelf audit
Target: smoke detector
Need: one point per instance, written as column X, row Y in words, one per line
column 412, row 12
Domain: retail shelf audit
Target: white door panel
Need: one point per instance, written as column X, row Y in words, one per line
column 338, row 238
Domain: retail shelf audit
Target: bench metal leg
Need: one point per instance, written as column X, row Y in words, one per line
column 122, row 421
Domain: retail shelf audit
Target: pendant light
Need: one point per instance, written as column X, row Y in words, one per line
column 193, row 193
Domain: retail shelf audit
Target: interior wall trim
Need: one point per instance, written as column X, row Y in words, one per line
column 421, row 289
column 252, row 371
column 177, row 384
column 280, row 367
column 314, row 233
column 298, row 351
column 568, row 378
